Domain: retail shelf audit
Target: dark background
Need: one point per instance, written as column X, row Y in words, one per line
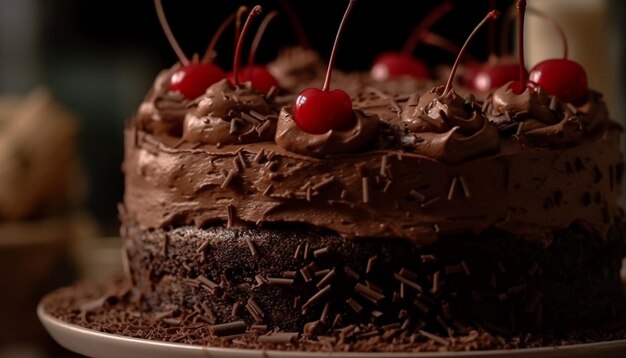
column 100, row 57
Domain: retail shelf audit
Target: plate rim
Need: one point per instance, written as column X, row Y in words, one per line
column 48, row 320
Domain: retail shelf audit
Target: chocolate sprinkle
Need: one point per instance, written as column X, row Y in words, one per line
column 316, row 297
column 227, row 329
column 251, row 246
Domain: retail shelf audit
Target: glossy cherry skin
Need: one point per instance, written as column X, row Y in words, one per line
column 316, row 111
column 262, row 80
column 390, row 65
column 491, row 76
column 194, row 79
column 563, row 78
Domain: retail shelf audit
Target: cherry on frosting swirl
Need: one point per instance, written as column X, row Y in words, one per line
column 292, row 138
column 163, row 111
column 211, row 121
column 446, row 128
column 544, row 120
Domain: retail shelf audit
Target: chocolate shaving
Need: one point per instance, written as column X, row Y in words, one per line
column 306, row 275
column 434, row 337
column 430, row 202
column 251, row 246
column 230, row 209
column 280, row 338
column 277, row 281
column 370, row 264
column 465, row 187
column 326, row 279
column 321, row 252
column 351, row 273
column 259, row 156
column 408, row 282
column 323, row 183
column 235, row 310
column 316, row 297
column 352, row 303
column 368, row 293
column 297, row 252
column 366, row 189
column 228, row 329
column 452, row 188
column 259, row 328
column 229, row 177
column 242, row 159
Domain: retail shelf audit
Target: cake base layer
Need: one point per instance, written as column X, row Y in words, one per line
column 301, row 280
column 107, row 307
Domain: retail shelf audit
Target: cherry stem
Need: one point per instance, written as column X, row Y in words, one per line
column 208, row 54
column 253, row 13
column 424, row 26
column 168, row 33
column 240, row 12
column 492, row 15
column 259, row 35
column 521, row 13
column 492, row 33
column 556, row 25
column 333, row 54
column 296, row 23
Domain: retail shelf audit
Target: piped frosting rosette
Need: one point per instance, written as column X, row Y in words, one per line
column 163, row 111
column 227, row 114
column 539, row 119
column 292, row 138
column 447, row 127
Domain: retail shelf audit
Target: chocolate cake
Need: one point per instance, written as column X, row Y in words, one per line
column 432, row 218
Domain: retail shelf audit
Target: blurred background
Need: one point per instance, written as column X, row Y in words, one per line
column 97, row 59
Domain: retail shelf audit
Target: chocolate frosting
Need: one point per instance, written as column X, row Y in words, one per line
column 163, row 111
column 290, row 137
column 446, row 127
column 542, row 120
column 412, row 167
column 212, row 121
column 378, row 193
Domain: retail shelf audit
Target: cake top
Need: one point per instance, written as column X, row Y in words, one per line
column 372, row 161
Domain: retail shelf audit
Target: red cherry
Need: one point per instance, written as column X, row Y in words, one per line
column 563, row 78
column 262, row 80
column 492, row 75
column 318, row 111
column 395, row 64
column 194, row 79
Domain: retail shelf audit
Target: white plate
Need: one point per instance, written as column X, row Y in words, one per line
column 97, row 344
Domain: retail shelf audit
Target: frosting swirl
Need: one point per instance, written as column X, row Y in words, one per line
column 163, row 111
column 543, row 120
column 227, row 114
column 292, row 138
column 446, row 127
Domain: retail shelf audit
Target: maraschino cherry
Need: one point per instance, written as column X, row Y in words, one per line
column 192, row 79
column 563, row 78
column 394, row 64
column 236, row 77
column 318, row 111
column 260, row 78
column 492, row 15
column 496, row 72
